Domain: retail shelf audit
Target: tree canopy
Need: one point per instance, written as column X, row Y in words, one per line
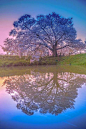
column 42, row 34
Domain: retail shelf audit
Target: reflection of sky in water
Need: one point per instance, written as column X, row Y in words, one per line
column 69, row 118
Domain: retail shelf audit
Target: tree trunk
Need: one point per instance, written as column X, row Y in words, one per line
column 20, row 54
column 54, row 51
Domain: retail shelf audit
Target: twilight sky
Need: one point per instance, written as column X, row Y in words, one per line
column 11, row 10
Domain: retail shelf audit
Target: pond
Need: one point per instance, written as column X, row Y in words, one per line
column 43, row 97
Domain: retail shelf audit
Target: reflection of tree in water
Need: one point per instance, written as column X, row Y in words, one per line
column 44, row 92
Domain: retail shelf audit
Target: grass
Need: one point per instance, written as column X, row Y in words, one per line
column 48, row 61
column 79, row 59
column 13, row 61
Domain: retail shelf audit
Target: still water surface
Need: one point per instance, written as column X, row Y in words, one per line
column 43, row 98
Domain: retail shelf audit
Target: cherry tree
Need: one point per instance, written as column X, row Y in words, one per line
column 44, row 33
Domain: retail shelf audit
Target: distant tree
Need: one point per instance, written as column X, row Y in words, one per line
column 10, row 46
column 85, row 41
column 50, row 32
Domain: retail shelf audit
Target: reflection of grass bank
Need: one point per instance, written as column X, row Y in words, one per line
column 20, row 70
column 79, row 59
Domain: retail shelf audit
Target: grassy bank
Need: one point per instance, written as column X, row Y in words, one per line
column 79, row 59
column 13, row 61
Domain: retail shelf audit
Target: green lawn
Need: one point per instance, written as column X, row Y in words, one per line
column 79, row 59
column 13, row 61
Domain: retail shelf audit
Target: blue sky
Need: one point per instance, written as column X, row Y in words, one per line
column 11, row 10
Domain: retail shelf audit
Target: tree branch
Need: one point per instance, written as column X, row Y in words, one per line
column 59, row 39
column 38, row 36
column 62, row 47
